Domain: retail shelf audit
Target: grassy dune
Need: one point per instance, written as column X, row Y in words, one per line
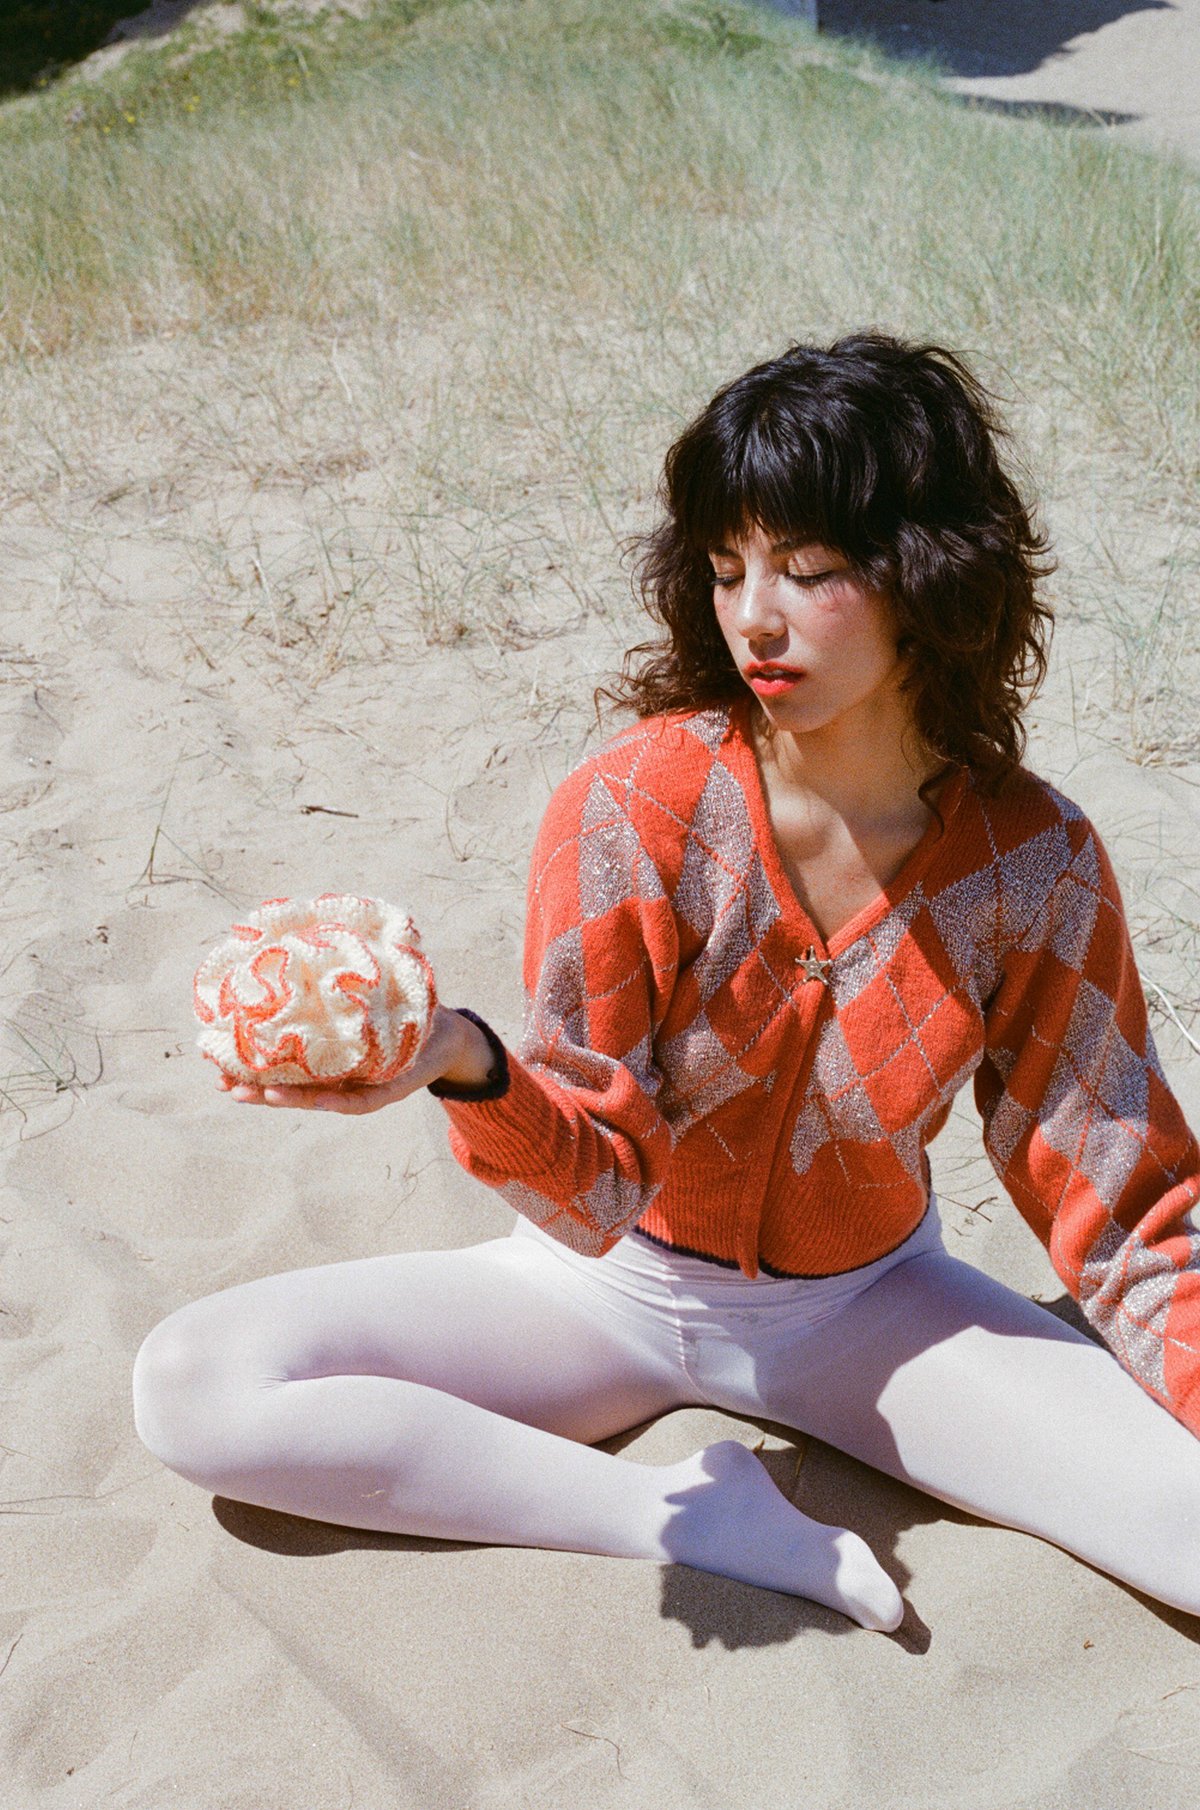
column 622, row 158
column 696, row 181
column 331, row 337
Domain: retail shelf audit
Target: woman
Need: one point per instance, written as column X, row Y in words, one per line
column 774, row 926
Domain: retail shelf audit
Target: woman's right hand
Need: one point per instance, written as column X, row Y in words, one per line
column 455, row 1050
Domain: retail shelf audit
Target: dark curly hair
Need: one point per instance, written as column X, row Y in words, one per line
column 885, row 452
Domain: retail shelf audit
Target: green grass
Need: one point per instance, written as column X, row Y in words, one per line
column 340, row 354
column 42, row 40
column 620, row 160
column 604, row 207
column 614, row 156
column 671, row 166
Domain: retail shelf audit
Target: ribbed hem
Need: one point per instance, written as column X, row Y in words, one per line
column 770, row 1269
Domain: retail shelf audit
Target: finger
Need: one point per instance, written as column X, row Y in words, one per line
column 286, row 1095
column 348, row 1099
column 308, row 1097
column 352, row 1099
column 321, row 1099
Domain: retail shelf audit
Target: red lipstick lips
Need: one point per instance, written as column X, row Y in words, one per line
column 770, row 681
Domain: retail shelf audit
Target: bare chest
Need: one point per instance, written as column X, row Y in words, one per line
column 837, row 870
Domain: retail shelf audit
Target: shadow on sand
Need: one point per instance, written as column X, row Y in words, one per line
column 834, row 1489
column 829, row 1485
column 967, row 39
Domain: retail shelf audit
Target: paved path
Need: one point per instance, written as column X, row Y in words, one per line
column 1132, row 64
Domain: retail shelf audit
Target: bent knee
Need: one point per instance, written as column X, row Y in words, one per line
column 190, row 1396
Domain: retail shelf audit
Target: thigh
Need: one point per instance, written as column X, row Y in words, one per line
column 944, row 1378
column 494, row 1324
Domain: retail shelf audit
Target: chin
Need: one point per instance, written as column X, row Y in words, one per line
column 796, row 719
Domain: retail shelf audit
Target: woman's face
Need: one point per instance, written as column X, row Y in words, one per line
column 810, row 640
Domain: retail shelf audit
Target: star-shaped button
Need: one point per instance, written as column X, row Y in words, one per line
column 814, row 968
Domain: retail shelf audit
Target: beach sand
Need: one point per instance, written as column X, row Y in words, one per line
column 198, row 715
column 1130, row 66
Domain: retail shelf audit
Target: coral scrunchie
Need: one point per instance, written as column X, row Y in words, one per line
column 316, row 992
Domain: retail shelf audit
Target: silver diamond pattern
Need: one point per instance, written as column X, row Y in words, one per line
column 1046, row 893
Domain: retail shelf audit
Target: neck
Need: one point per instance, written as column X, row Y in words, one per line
column 866, row 766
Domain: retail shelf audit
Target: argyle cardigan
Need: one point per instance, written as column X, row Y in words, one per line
column 699, row 1063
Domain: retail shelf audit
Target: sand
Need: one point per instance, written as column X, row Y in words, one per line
column 1126, row 66
column 195, row 718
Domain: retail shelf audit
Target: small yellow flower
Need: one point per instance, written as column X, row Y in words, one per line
column 131, row 117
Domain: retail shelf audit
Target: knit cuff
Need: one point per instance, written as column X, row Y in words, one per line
column 518, row 1138
column 496, row 1083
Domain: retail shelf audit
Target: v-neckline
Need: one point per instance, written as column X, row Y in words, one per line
column 888, row 897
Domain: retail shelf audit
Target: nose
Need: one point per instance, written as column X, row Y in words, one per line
column 757, row 614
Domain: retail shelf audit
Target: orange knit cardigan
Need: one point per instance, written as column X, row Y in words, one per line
column 699, row 1063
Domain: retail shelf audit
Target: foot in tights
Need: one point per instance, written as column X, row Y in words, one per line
column 728, row 1517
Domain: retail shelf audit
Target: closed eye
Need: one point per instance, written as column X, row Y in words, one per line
column 809, row 580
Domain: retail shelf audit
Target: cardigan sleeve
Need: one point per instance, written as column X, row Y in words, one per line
column 1086, row 1135
column 577, row 1142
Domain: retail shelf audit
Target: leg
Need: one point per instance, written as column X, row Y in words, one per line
column 433, row 1393
column 946, row 1379
column 449, row 1394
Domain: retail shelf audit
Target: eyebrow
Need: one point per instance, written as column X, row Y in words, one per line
column 779, row 547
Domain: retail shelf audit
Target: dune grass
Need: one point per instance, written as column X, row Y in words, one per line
column 660, row 189
column 327, row 339
column 616, row 202
column 628, row 159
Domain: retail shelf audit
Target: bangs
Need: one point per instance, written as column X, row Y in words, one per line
column 756, row 472
column 885, row 452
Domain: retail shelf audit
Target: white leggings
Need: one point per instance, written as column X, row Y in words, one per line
column 457, row 1394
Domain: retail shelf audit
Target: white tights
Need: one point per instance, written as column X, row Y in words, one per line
column 458, row 1394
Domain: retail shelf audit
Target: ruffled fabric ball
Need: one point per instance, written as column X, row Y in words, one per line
column 316, row 992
